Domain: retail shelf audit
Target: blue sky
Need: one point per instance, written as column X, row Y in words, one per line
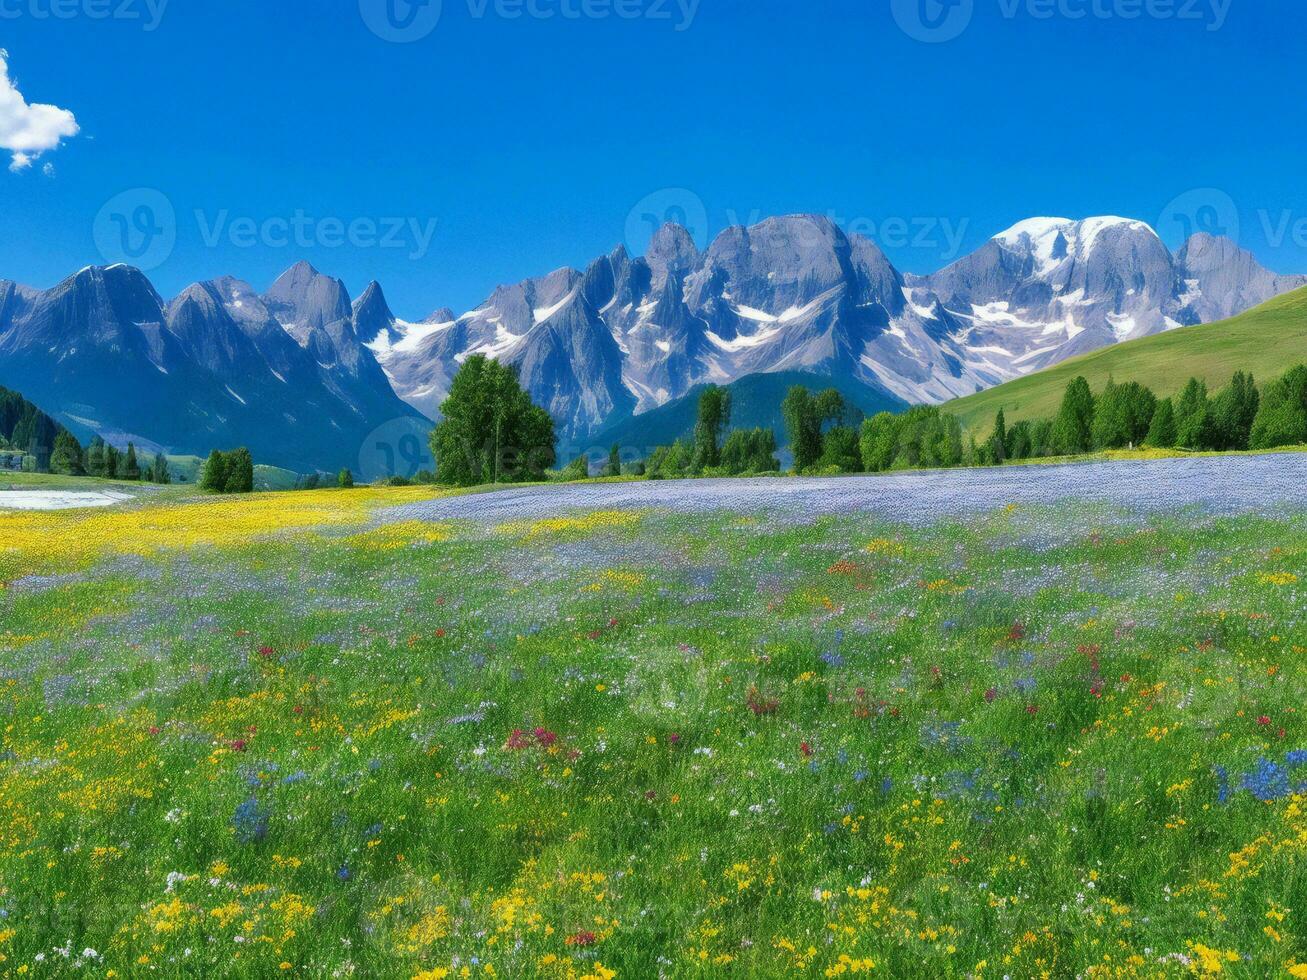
column 521, row 143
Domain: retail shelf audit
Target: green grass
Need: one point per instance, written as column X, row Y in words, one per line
column 187, row 467
column 644, row 744
column 1265, row 341
column 56, row 481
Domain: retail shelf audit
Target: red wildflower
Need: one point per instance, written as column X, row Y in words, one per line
column 266, row 652
column 154, row 729
column 583, row 938
column 805, row 748
column 238, row 745
column 673, row 738
column 1263, row 720
column 518, row 740
column 1032, row 709
column 545, row 738
column 990, row 695
column 760, row 705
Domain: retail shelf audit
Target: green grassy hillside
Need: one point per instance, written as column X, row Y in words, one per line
column 1266, row 340
column 755, row 403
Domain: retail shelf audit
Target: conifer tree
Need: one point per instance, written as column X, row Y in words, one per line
column 131, row 468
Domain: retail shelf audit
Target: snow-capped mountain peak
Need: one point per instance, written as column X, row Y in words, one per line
column 297, row 368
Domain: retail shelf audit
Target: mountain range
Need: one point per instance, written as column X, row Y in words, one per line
column 302, row 374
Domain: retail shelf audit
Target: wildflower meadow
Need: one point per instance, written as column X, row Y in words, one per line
column 284, row 736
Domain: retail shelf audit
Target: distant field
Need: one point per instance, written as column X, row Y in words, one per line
column 1266, row 341
column 276, row 736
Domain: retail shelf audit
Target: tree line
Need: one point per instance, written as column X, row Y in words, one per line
column 1239, row 416
column 826, row 437
column 822, row 428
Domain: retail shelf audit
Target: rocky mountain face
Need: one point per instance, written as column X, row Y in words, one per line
column 1050, row 288
column 798, row 294
column 301, row 374
column 219, row 366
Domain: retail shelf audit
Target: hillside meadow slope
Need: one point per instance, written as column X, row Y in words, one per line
column 1266, row 341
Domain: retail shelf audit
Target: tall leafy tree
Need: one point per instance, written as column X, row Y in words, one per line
column 1073, row 428
column 1041, row 438
column 159, row 472
column 922, row 436
column 577, row 469
column 830, row 406
column 1020, row 441
column 213, row 477
column 839, row 450
column 1122, row 415
column 1191, row 416
column 615, row 460
column 490, row 432
column 710, row 427
column 67, row 455
column 879, row 442
column 95, row 458
column 750, row 451
column 1232, row 413
column 1161, row 432
column 1282, row 415
column 345, row 479
column 803, row 425
column 240, row 471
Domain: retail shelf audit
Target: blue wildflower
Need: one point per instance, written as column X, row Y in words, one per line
column 251, row 821
column 1266, row 782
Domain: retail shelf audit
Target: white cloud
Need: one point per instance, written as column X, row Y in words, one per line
column 26, row 130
